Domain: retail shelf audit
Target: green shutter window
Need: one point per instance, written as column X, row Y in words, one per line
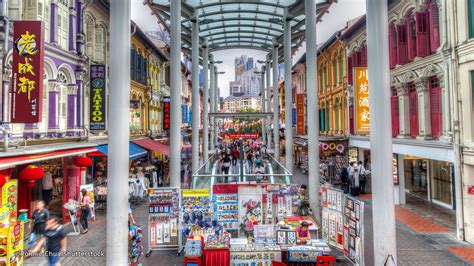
column 341, row 67
column 470, row 10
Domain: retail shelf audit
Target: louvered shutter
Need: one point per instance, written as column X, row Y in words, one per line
column 363, row 56
column 393, row 46
column 349, row 70
column 434, row 26
column 395, row 116
column 436, row 112
column 351, row 119
column 413, row 109
column 422, row 38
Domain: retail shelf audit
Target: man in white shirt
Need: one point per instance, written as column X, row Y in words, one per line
column 47, row 187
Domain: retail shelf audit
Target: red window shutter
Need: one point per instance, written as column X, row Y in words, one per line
column 436, row 112
column 363, row 56
column 349, row 70
column 413, row 109
column 393, row 46
column 351, row 119
column 411, row 30
column 395, row 116
column 422, row 38
column 402, row 44
column 434, row 26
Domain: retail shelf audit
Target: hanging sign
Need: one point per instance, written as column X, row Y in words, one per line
column 97, row 97
column 300, row 125
column 166, row 113
column 361, row 88
column 184, row 113
column 240, row 135
column 28, row 57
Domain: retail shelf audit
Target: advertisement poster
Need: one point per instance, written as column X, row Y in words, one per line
column 27, row 71
column 11, row 244
column 9, row 200
column 361, row 101
column 240, row 135
column 98, row 97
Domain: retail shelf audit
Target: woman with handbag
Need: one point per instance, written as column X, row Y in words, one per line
column 85, row 210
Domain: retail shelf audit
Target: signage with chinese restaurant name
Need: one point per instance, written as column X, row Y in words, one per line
column 98, row 97
column 28, row 57
column 361, row 89
column 300, row 125
column 166, row 112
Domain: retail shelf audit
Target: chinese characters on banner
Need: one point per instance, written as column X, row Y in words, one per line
column 300, row 125
column 166, row 113
column 361, row 88
column 28, row 57
column 97, row 97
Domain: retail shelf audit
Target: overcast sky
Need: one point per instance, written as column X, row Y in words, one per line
column 336, row 19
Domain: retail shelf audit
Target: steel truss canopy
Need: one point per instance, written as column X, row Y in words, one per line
column 231, row 24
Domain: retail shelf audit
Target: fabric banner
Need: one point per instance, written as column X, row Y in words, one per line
column 250, row 209
column 27, row 69
column 226, row 189
column 239, row 135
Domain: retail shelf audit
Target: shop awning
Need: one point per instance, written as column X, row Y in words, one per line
column 8, row 162
column 152, row 145
column 135, row 151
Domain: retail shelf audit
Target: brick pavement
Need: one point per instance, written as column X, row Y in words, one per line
column 417, row 222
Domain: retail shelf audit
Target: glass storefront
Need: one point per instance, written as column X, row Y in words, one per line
column 441, row 186
column 416, row 174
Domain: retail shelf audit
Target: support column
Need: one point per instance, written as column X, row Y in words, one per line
column 268, row 103
column 53, row 108
column 276, row 104
column 213, row 98
column 263, row 104
column 216, row 104
column 119, row 134
column 205, row 103
column 72, row 29
column 195, row 93
column 71, row 107
column 288, row 93
column 403, row 111
column 176, row 87
column 424, row 117
column 312, row 114
column 53, row 34
column 385, row 251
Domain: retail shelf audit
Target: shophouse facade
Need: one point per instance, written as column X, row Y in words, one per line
column 421, row 102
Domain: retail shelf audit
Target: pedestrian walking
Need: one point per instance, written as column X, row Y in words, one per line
column 345, row 180
column 37, row 227
column 362, row 177
column 350, row 171
column 47, row 187
column 235, row 156
column 55, row 240
column 85, row 211
column 355, row 190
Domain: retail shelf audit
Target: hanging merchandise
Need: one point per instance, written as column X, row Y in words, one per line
column 250, row 209
column 11, row 243
column 163, row 209
column 135, row 246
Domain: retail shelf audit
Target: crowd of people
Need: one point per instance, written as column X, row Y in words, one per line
column 251, row 154
column 354, row 178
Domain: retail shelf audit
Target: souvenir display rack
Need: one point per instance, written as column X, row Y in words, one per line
column 226, row 210
column 163, row 223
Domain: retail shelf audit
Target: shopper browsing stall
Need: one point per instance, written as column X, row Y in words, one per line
column 85, row 210
column 37, row 227
column 55, row 240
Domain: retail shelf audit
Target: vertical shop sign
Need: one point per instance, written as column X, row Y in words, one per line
column 97, row 97
column 361, row 88
column 300, row 125
column 28, row 57
column 166, row 113
column 184, row 113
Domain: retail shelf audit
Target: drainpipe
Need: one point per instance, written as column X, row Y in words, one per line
column 5, row 138
column 458, row 186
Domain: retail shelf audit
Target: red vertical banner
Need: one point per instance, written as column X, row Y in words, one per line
column 300, row 125
column 166, row 113
column 71, row 184
column 28, row 57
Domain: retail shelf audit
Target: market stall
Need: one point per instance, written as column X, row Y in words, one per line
column 248, row 224
column 163, row 218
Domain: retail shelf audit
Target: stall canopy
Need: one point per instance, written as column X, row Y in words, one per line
column 152, row 145
column 135, row 151
column 8, row 162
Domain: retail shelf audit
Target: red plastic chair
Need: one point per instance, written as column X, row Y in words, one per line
column 326, row 261
column 277, row 263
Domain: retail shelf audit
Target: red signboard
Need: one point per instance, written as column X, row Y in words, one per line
column 226, row 189
column 166, row 112
column 28, row 57
column 239, row 135
column 300, row 125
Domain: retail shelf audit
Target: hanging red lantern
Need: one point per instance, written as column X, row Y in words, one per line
column 3, row 180
column 31, row 174
column 82, row 162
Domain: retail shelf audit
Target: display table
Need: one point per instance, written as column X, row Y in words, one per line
column 303, row 255
column 217, row 257
column 256, row 254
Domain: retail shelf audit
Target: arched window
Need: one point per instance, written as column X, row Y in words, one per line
column 335, row 76
column 99, row 42
column 338, row 115
column 341, row 65
column 62, row 101
column 63, row 24
column 90, row 36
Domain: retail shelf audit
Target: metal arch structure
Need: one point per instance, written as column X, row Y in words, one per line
column 227, row 24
